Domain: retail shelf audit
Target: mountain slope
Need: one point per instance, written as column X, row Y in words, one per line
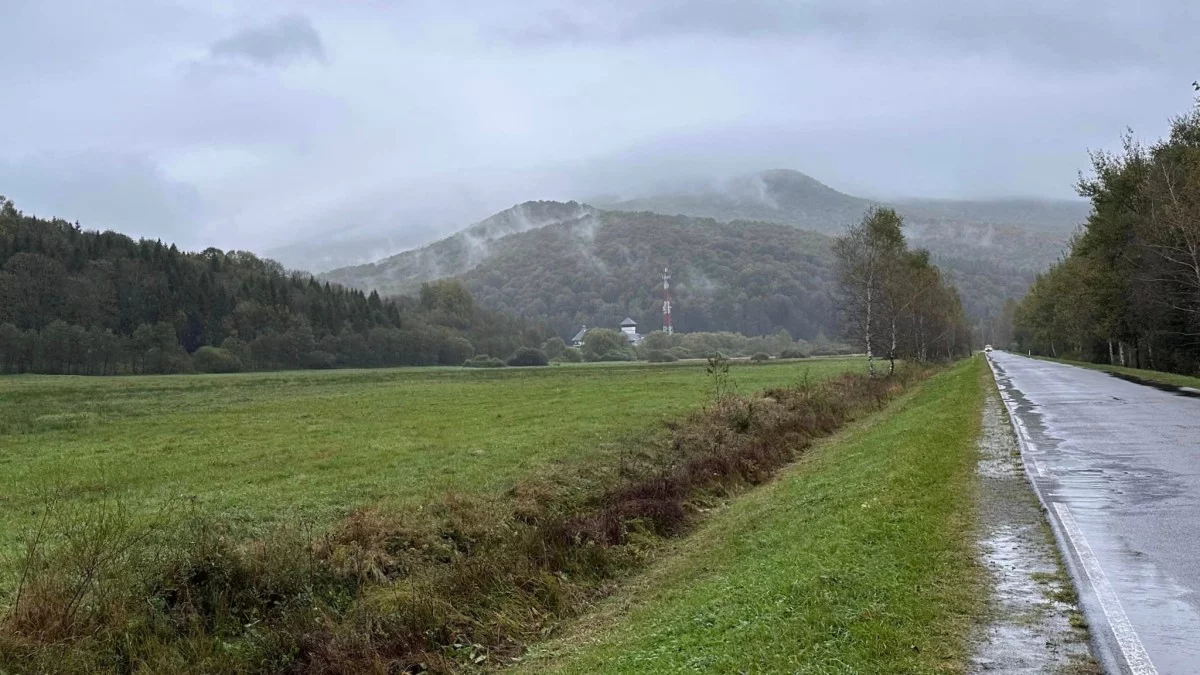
column 596, row 269
column 586, row 266
column 574, row 264
column 753, row 278
column 1026, row 234
column 776, row 196
column 86, row 302
column 1050, row 216
column 458, row 253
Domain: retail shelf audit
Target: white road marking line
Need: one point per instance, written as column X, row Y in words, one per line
column 1022, row 435
column 1127, row 639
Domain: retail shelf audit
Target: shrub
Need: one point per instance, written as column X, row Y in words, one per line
column 660, row 356
column 320, row 360
column 833, row 349
column 570, row 355
column 791, row 353
column 615, row 355
column 600, row 341
column 528, row 356
column 554, row 347
column 455, row 350
column 760, row 357
column 681, row 353
column 170, row 361
column 483, row 361
column 215, row 360
column 239, row 349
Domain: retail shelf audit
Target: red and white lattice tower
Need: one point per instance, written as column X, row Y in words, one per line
column 667, row 328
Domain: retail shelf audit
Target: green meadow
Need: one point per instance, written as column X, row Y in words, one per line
column 262, row 448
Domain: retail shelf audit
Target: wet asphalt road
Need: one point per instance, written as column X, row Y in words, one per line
column 1118, row 466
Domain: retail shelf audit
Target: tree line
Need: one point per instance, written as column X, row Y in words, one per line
column 1128, row 292
column 892, row 300
column 88, row 302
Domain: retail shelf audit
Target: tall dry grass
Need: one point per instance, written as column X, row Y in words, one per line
column 463, row 584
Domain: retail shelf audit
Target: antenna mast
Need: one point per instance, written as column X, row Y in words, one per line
column 667, row 328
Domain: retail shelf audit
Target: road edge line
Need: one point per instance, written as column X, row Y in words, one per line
column 1137, row 663
column 1127, row 639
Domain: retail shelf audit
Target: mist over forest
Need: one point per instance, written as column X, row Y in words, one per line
column 557, row 158
column 750, row 255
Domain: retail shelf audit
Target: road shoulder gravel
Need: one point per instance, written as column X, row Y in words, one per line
column 1034, row 623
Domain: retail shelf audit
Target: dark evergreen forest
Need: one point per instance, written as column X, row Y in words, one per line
column 87, row 302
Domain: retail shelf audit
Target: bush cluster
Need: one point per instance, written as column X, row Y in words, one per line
column 483, row 361
column 528, row 356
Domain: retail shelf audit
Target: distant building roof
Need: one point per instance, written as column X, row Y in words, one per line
column 579, row 336
column 628, row 322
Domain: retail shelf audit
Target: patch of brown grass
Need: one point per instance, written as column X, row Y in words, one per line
column 457, row 585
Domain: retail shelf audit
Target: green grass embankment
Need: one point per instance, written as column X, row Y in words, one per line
column 1172, row 379
column 858, row 560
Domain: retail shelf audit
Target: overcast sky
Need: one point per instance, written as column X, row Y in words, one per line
column 252, row 125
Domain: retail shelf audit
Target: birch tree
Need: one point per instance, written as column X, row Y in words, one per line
column 866, row 259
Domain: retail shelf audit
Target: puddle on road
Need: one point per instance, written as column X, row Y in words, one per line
column 1031, row 627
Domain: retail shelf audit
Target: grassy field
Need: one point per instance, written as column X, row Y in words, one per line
column 1150, row 375
column 262, row 447
column 859, row 560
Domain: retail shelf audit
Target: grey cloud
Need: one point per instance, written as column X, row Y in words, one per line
column 1074, row 34
column 287, row 39
column 428, row 115
column 126, row 193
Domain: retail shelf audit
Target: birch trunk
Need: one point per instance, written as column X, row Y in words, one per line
column 867, row 330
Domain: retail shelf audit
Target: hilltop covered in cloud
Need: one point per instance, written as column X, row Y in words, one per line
column 261, row 125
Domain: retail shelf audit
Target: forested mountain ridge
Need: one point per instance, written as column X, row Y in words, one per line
column 458, row 253
column 752, row 278
column 991, row 250
column 776, row 196
column 78, row 301
column 1051, row 216
column 1026, row 234
column 793, row 198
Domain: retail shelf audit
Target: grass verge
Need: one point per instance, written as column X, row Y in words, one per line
column 859, row 560
column 457, row 585
column 1159, row 376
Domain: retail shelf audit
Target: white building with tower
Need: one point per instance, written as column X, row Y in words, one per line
column 629, row 328
column 577, row 341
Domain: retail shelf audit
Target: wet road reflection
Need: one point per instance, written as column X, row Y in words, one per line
column 1125, row 459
